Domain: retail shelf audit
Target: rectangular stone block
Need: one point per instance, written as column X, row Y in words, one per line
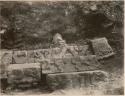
column 70, row 64
column 3, row 71
column 30, row 56
column 23, row 73
column 101, row 48
column 5, row 60
column 19, row 57
column 42, row 54
column 84, row 50
column 75, row 79
column 89, row 62
column 5, row 57
column 71, row 51
column 55, row 52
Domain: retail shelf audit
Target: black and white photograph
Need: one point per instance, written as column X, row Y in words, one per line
column 67, row 48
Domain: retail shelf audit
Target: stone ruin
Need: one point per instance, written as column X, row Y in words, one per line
column 65, row 67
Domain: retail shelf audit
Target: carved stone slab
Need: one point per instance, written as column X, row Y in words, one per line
column 6, row 57
column 5, row 60
column 101, row 48
column 30, row 56
column 19, row 57
column 42, row 54
column 70, row 64
column 75, row 79
column 23, row 73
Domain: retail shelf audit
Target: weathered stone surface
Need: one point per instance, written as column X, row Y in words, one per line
column 30, row 56
column 6, row 57
column 58, row 40
column 19, row 57
column 42, row 54
column 75, row 79
column 101, row 48
column 84, row 50
column 70, row 64
column 71, row 51
column 5, row 60
column 56, row 52
column 3, row 72
column 77, row 50
column 24, row 73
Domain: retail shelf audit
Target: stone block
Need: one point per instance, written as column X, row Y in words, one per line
column 56, row 52
column 42, row 54
column 5, row 60
column 23, row 73
column 3, row 71
column 70, row 64
column 19, row 57
column 71, row 51
column 6, row 57
column 101, row 48
column 30, row 56
column 75, row 79
column 89, row 62
column 78, row 50
column 84, row 50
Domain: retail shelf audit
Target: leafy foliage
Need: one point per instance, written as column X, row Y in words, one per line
column 38, row 21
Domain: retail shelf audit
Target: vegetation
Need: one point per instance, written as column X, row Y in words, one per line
column 31, row 25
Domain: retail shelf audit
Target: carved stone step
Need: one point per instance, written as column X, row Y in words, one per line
column 75, row 79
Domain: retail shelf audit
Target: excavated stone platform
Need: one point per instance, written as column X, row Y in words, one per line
column 75, row 79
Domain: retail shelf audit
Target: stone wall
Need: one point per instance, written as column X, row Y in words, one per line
column 34, row 56
column 27, row 66
column 70, row 64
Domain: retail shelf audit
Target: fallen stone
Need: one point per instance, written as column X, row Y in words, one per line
column 75, row 79
column 23, row 73
column 101, row 48
column 19, row 57
column 70, row 64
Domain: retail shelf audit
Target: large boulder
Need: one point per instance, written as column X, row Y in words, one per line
column 24, row 73
column 75, row 79
column 70, row 64
column 101, row 48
